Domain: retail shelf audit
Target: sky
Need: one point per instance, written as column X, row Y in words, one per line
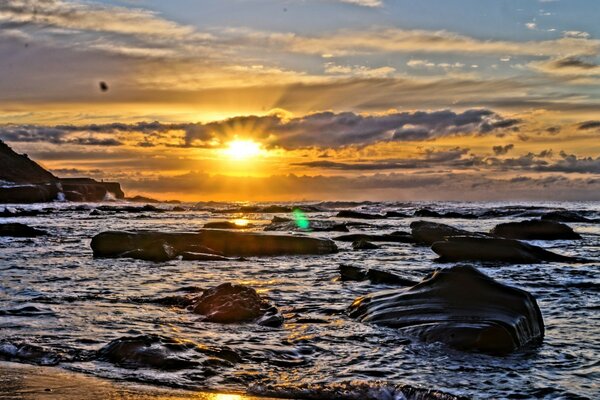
column 257, row 100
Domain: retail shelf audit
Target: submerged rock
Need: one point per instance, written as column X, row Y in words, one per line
column 535, row 230
column 358, row 215
column 495, row 250
column 426, row 232
column 458, row 306
column 229, row 303
column 363, row 245
column 352, row 273
column 147, row 351
column 20, row 230
column 225, row 243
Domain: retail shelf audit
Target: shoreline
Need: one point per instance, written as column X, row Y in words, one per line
column 31, row 382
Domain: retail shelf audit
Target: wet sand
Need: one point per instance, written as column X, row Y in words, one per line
column 27, row 382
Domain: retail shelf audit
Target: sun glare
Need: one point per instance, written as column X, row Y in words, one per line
column 242, row 149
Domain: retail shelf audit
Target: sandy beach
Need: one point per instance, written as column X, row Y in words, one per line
column 27, row 382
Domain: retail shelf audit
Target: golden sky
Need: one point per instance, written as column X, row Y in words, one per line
column 312, row 99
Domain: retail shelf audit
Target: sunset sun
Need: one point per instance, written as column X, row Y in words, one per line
column 242, row 149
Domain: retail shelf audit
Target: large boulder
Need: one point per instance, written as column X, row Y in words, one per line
column 20, row 230
column 229, row 303
column 427, row 233
column 220, row 242
column 535, row 230
column 458, row 306
column 495, row 250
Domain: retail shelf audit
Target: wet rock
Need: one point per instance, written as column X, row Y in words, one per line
column 130, row 209
column 157, row 251
column 426, row 232
column 364, row 245
column 535, row 230
column 229, row 303
column 226, row 243
column 352, row 273
column 287, row 225
column 567, row 216
column 192, row 256
column 147, row 351
column 20, row 230
column 27, row 353
column 458, row 306
column 396, row 237
column 358, row 215
column 226, row 225
column 495, row 250
column 396, row 214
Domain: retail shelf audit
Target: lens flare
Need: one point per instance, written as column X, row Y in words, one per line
column 301, row 220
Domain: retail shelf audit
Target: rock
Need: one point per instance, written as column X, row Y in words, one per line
column 25, row 194
column 395, row 237
column 147, row 351
column 313, row 226
column 192, row 256
column 495, row 250
column 28, row 353
column 567, row 216
column 425, row 232
column 358, row 215
column 458, row 306
column 535, row 230
column 20, row 230
column 425, row 212
column 178, row 209
column 364, row 245
column 130, row 209
column 226, row 225
column 157, row 251
column 87, row 189
column 352, row 273
column 229, row 303
column 226, row 243
column 396, row 214
column 20, row 169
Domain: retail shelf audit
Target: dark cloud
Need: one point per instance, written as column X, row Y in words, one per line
column 589, row 125
column 501, row 150
column 572, row 62
column 323, row 129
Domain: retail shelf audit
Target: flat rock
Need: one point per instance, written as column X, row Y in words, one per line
column 458, row 306
column 495, row 250
column 225, row 243
column 20, row 230
column 535, row 229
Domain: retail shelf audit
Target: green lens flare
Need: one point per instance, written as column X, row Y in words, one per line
column 301, row 221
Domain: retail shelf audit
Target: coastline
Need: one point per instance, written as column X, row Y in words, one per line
column 30, row 382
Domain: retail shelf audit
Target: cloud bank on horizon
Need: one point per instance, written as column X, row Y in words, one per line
column 406, row 99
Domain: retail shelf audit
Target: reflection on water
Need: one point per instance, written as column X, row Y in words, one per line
column 71, row 305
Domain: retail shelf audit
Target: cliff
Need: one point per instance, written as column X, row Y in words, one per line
column 24, row 181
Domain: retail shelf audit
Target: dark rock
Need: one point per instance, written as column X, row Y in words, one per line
column 20, row 230
column 495, row 250
column 425, row 212
column 178, row 209
column 458, row 306
column 352, row 273
column 229, row 303
column 147, row 351
column 86, row 189
column 226, row 243
column 192, row 256
column 358, row 215
column 364, row 245
column 157, row 251
column 425, row 232
column 24, row 194
column 394, row 237
column 18, row 168
column 225, row 225
column 567, row 216
column 130, row 209
column 535, row 230
column 396, row 214
column 28, row 353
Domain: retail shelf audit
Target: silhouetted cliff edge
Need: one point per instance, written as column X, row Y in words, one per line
column 22, row 180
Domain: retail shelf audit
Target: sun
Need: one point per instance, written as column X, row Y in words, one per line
column 241, row 149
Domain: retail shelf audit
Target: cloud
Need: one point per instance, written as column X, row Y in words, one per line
column 501, row 150
column 364, row 3
column 574, row 66
column 589, row 125
column 324, row 129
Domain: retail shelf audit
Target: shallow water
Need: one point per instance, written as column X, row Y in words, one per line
column 54, row 294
